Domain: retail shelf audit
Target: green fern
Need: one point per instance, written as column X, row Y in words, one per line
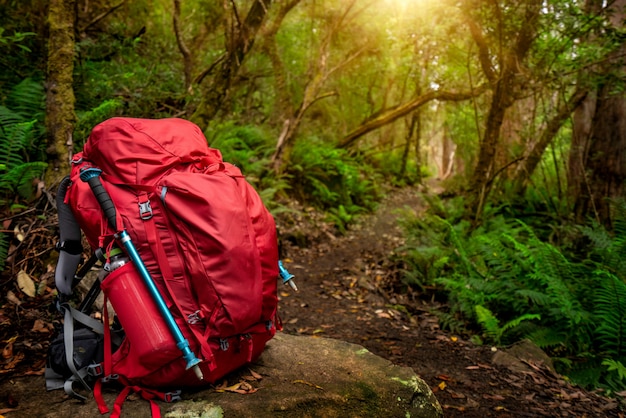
column 18, row 181
column 27, row 99
column 492, row 327
column 15, row 142
column 332, row 180
column 610, row 314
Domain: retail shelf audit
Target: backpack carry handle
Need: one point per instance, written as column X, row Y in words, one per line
column 92, row 177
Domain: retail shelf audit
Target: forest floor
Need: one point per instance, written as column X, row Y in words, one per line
column 346, row 291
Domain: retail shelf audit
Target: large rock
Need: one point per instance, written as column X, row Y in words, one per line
column 301, row 377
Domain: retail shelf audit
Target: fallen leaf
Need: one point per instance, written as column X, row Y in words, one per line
column 493, row 397
column 7, row 351
column 13, row 362
column 26, row 284
column 255, row 375
column 18, row 233
column 224, row 388
column 13, row 299
column 39, row 372
column 40, row 326
column 242, row 388
column 304, row 382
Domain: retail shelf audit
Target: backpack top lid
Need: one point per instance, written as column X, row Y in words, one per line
column 140, row 151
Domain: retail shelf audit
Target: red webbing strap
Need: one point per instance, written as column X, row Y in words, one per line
column 97, row 395
column 147, row 394
column 154, row 408
column 119, row 401
column 166, row 270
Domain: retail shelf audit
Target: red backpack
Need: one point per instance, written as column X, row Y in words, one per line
column 205, row 238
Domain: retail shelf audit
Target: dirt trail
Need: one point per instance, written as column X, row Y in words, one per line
column 341, row 281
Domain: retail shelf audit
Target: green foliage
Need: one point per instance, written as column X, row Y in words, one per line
column 16, row 175
column 389, row 164
column 491, row 325
column 21, row 117
column 503, row 279
column 25, row 102
column 250, row 148
column 88, row 119
column 610, row 314
column 332, row 180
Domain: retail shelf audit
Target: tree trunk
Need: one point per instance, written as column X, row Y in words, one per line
column 605, row 161
column 240, row 39
column 60, row 116
column 597, row 168
column 552, row 128
column 504, row 83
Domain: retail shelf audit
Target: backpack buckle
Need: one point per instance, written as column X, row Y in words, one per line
column 194, row 318
column 172, row 396
column 224, row 344
column 145, row 210
column 95, row 370
column 107, row 379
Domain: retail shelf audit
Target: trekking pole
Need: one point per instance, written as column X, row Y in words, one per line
column 286, row 276
column 92, row 177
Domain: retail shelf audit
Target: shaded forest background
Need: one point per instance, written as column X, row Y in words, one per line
column 516, row 108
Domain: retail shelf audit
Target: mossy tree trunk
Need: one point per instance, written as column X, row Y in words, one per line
column 60, row 116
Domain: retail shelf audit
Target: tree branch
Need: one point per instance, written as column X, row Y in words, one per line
column 101, row 16
column 182, row 47
column 404, row 109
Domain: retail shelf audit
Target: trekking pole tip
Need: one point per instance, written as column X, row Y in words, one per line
column 198, row 372
column 293, row 285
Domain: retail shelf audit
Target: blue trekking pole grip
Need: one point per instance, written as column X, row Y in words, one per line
column 91, row 176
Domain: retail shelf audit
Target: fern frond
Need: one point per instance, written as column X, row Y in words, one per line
column 610, row 313
column 19, row 179
column 9, row 117
column 27, row 99
column 488, row 321
column 15, row 142
column 547, row 338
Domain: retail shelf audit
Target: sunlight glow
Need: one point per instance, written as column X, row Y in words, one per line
column 405, row 4
column 407, row 7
